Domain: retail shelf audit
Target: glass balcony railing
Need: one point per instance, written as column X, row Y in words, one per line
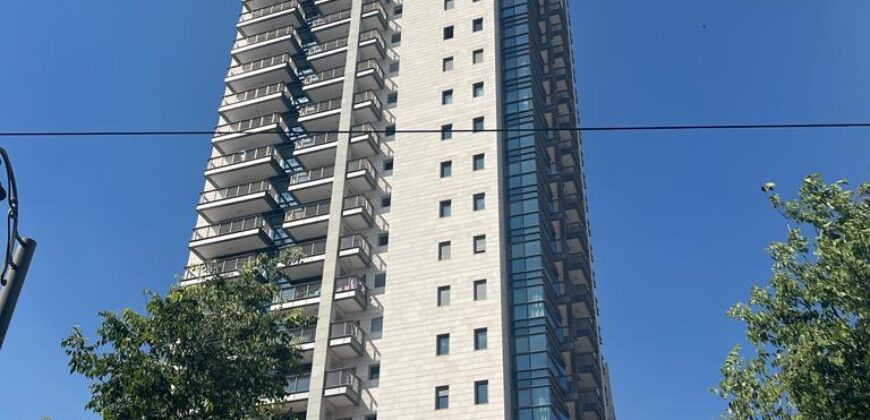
column 358, row 201
column 322, row 76
column 297, row 384
column 354, row 241
column 297, row 292
column 340, row 378
column 264, row 37
column 328, row 171
column 268, row 10
column 368, row 65
column 350, row 284
column 260, row 92
column 372, row 6
column 368, row 95
column 220, row 267
column 330, row 18
column 242, row 157
column 309, row 211
column 230, row 227
column 334, row 104
column 303, row 335
column 251, row 124
column 311, row 140
column 342, row 42
column 259, row 64
column 211, row 196
column 346, row 329
column 372, row 34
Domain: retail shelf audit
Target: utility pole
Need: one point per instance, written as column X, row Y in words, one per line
column 15, row 263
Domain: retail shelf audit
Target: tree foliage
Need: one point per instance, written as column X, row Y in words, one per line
column 810, row 326
column 207, row 351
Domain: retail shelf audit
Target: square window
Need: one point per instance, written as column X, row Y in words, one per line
column 396, row 38
column 481, row 392
column 478, row 162
column 393, row 97
column 443, row 250
column 388, row 165
column 477, row 56
column 480, row 339
column 380, row 280
column 479, row 201
column 479, row 244
column 442, row 397
column 446, row 169
column 444, row 296
column 477, row 25
column 446, row 131
column 480, row 290
column 390, row 130
column 393, row 67
column 445, row 208
column 477, row 124
column 386, row 201
column 447, row 97
column 448, row 4
column 447, row 64
column 477, row 90
column 397, row 11
column 374, row 372
column 377, row 325
column 442, row 344
column 383, row 239
column 448, row 30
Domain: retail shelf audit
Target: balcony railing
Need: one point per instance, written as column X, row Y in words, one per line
column 330, row 18
column 318, row 139
column 328, row 171
column 374, row 5
column 354, row 241
column 349, row 284
column 297, row 384
column 358, row 201
column 368, row 95
column 264, row 37
column 230, row 227
column 372, row 34
column 333, row 104
column 322, row 76
column 251, row 124
column 342, row 377
column 346, row 329
column 307, row 211
column 368, row 65
column 242, row 157
column 250, row 95
column 303, row 335
column 259, row 64
column 237, row 191
column 297, row 292
column 268, row 10
column 218, row 267
column 342, row 42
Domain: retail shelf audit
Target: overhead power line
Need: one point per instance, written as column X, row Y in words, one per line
column 127, row 133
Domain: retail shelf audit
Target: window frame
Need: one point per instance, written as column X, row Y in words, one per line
column 478, row 333
column 442, row 246
column 445, row 208
column 477, row 240
column 479, row 198
column 480, row 157
column 442, row 297
column 477, row 394
column 439, row 405
column 476, row 293
column 442, row 344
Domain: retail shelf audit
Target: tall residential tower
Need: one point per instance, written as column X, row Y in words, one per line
column 450, row 270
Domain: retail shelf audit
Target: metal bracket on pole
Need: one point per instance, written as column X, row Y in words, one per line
column 16, row 271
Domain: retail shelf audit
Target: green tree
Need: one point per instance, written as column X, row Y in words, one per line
column 207, row 351
column 810, row 327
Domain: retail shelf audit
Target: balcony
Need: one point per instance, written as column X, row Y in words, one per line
column 231, row 237
column 271, row 17
column 227, row 268
column 316, row 184
column 326, row 84
column 330, row 54
column 244, row 167
column 331, row 6
column 585, row 336
column 266, row 44
column 346, row 339
column 589, row 371
column 341, row 387
column 591, row 407
column 354, row 254
column 296, row 393
column 309, row 221
column 324, row 115
column 316, row 150
column 259, row 131
column 263, row 100
column 278, row 68
column 330, row 26
column 296, row 295
column 304, row 338
column 373, row 16
column 238, row 201
column 351, row 294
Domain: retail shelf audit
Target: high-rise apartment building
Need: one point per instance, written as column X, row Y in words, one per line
column 450, row 270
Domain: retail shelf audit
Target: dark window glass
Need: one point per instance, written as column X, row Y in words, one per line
column 380, row 279
column 477, row 25
column 388, row 165
column 442, row 397
column 446, row 131
column 480, row 290
column 447, row 97
column 377, row 325
column 442, row 344
column 477, row 90
column 447, row 64
column 477, row 56
column 479, row 244
column 384, row 239
column 481, row 392
column 374, row 372
column 446, row 169
column 444, row 250
column 448, row 32
column 445, row 208
column 478, row 162
column 386, row 201
column 479, row 201
column 444, row 296
column 477, row 124
column 480, row 339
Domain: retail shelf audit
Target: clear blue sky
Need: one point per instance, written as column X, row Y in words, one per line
column 679, row 224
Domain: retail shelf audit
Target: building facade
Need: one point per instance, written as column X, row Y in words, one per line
column 449, row 268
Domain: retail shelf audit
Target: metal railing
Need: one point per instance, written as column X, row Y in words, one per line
column 328, row 171
column 303, row 335
column 218, row 267
column 372, row 34
column 319, row 107
column 251, row 124
column 369, row 65
column 368, row 95
column 325, row 138
column 307, row 211
column 268, row 10
column 237, row 191
column 264, row 37
column 346, row 329
column 342, row 42
column 230, row 227
column 330, row 18
column 242, row 157
column 321, row 76
column 297, row 292
column 350, row 284
column 259, row 64
column 297, row 384
column 354, row 241
column 342, row 377
column 358, row 201
column 250, row 95
column 374, row 5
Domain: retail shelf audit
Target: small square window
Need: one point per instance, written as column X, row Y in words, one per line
column 386, row 201
column 477, row 124
column 443, row 250
column 477, row 25
column 448, row 31
column 374, row 372
column 478, row 162
column 479, row 201
column 397, row 11
column 446, row 169
column 447, row 97
column 480, row 339
column 448, row 4
column 477, row 90
column 444, row 296
column 447, row 64
column 393, row 97
column 481, row 392
column 446, row 131
column 396, row 38
column 442, row 397
column 388, row 165
column 380, row 280
column 442, row 344
column 377, row 325
column 383, row 239
column 445, row 208
column 390, row 130
column 477, row 56
column 393, row 67
column 479, row 244
column 480, row 290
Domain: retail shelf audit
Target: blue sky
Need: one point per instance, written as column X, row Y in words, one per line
column 679, row 224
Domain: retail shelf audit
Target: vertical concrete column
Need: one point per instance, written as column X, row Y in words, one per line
column 319, row 363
